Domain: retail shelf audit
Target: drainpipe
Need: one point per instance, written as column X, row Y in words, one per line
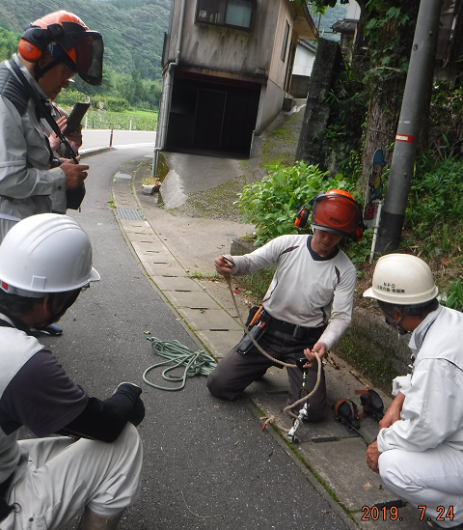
column 166, row 97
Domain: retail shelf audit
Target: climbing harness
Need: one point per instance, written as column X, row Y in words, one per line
column 371, row 402
column 261, row 350
column 195, row 363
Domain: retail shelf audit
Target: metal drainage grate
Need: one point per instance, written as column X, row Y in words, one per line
column 129, row 213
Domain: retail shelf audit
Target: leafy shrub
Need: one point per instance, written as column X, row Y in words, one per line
column 453, row 297
column 8, row 43
column 446, row 118
column 271, row 204
column 433, row 220
column 436, row 194
column 359, row 251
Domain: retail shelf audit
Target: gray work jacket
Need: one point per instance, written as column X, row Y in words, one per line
column 26, row 177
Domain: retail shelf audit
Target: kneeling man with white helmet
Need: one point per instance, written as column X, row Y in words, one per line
column 419, row 449
column 45, row 262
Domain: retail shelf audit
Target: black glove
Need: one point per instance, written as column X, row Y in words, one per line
column 138, row 413
column 128, row 389
column 133, row 391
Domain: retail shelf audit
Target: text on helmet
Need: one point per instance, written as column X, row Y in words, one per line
column 389, row 288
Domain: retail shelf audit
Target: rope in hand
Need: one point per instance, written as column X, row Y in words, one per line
column 259, row 348
column 195, row 363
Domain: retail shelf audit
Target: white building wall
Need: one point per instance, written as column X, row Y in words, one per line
column 270, row 103
column 353, row 11
column 303, row 62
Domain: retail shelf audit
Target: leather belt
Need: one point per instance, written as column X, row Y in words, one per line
column 298, row 332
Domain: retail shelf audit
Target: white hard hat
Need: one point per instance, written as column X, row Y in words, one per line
column 402, row 279
column 46, row 253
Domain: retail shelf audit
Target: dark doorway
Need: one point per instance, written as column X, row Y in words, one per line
column 212, row 117
column 209, row 118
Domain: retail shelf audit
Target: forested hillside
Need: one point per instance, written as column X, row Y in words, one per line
column 133, row 30
column 326, row 21
column 133, row 34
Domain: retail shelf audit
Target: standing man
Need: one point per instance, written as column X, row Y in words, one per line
column 45, row 262
column 51, row 51
column 308, row 305
column 418, row 452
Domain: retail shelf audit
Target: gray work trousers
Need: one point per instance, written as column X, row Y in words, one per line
column 237, row 371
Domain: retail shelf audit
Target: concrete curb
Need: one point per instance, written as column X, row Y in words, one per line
column 212, row 325
column 94, row 151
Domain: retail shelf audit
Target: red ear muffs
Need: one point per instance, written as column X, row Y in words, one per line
column 302, row 216
column 33, row 43
column 29, row 51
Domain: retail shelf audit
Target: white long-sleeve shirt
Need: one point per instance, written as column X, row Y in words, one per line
column 306, row 290
column 432, row 413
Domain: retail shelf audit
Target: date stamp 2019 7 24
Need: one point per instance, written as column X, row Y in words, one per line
column 383, row 514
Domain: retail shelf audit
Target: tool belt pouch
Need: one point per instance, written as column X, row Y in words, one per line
column 251, row 314
column 245, row 344
column 75, row 197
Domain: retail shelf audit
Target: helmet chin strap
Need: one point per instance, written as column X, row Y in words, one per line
column 39, row 72
column 396, row 323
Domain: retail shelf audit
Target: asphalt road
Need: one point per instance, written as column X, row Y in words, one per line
column 94, row 138
column 207, row 464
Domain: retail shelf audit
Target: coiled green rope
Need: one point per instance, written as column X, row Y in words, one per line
column 195, row 363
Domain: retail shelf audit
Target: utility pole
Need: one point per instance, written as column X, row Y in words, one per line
column 403, row 159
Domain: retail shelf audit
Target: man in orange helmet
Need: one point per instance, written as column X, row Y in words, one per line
column 51, row 51
column 308, row 305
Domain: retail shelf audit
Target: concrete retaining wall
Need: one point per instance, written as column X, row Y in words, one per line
column 299, row 86
column 371, row 333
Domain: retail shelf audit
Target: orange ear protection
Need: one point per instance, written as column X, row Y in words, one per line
column 302, row 216
column 33, row 43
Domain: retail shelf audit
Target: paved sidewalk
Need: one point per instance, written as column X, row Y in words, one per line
column 172, row 250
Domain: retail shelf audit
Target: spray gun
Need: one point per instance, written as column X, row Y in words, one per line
column 304, row 411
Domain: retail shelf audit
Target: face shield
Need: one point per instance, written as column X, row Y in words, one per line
column 89, row 57
column 83, row 50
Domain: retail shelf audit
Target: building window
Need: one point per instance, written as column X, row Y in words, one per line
column 229, row 13
column 285, row 43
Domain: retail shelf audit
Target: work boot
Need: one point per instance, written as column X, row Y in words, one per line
column 91, row 521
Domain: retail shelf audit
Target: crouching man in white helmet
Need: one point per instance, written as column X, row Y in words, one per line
column 45, row 261
column 419, row 449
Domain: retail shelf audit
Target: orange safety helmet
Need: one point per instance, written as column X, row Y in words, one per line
column 69, row 41
column 334, row 211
